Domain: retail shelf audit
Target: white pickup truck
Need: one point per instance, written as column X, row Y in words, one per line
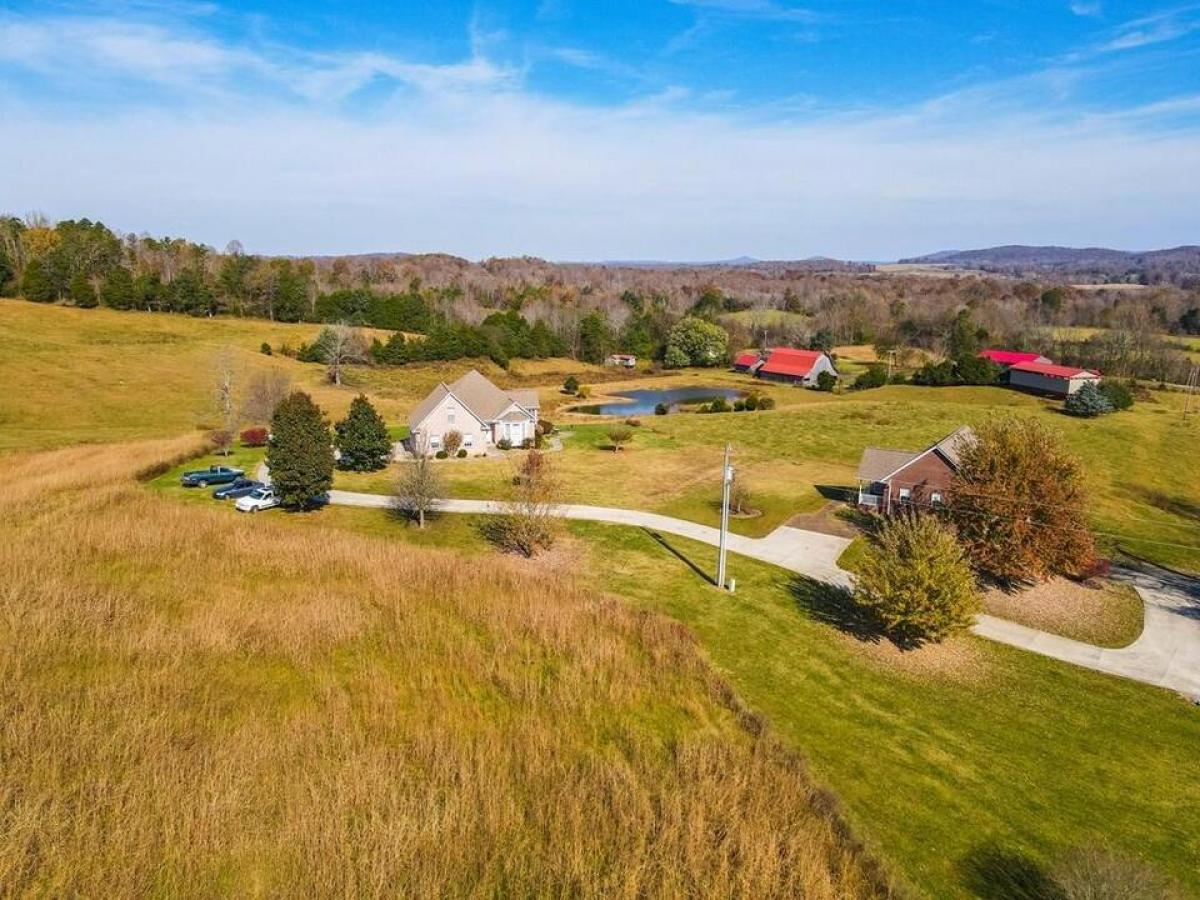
column 262, row 498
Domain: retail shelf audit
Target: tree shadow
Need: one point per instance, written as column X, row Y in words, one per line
column 836, row 492
column 1176, row 506
column 834, row 605
column 993, row 872
column 666, row 545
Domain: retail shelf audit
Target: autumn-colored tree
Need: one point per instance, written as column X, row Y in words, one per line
column 1018, row 501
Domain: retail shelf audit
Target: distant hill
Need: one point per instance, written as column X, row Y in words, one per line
column 1177, row 265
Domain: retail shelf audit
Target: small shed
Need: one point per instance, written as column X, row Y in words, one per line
column 625, row 360
column 1047, row 378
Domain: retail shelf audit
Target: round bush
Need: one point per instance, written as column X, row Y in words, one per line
column 661, row 409
column 462, row 454
column 442, row 454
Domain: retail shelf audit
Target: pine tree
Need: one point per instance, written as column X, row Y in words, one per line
column 362, row 438
column 300, row 455
column 36, row 284
column 117, row 290
column 1089, row 401
column 81, row 291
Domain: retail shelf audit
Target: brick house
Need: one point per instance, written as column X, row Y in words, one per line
column 890, row 480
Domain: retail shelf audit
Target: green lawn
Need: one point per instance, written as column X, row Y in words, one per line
column 1003, row 756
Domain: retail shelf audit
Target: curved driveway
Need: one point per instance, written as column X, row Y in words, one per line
column 1166, row 655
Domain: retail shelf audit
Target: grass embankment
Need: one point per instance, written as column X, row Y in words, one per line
column 970, row 765
column 197, row 704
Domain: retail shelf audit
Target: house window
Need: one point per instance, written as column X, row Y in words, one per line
column 469, row 440
column 905, row 495
column 435, row 442
column 935, row 498
column 450, row 414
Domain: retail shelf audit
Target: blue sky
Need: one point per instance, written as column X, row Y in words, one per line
column 681, row 129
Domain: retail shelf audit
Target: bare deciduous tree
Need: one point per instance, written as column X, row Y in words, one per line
column 263, row 394
column 528, row 523
column 342, row 346
column 225, row 397
column 418, row 486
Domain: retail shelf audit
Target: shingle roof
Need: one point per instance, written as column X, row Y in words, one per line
column 1052, row 371
column 878, row 463
column 481, row 398
column 954, row 443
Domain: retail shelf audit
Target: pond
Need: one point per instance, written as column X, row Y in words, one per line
column 642, row 403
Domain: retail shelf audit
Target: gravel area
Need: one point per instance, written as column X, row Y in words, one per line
column 1107, row 614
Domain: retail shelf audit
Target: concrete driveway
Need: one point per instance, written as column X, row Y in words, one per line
column 1166, row 655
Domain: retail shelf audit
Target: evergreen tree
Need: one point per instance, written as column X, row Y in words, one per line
column 362, row 438
column 36, row 284
column 117, row 290
column 6, row 272
column 300, row 455
column 81, row 291
column 1089, row 401
column 595, row 337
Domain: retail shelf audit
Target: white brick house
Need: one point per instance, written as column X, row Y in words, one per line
column 478, row 410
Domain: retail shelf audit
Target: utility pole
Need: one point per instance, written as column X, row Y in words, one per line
column 1190, row 390
column 726, row 484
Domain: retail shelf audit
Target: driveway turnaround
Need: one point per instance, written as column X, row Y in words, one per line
column 1166, row 655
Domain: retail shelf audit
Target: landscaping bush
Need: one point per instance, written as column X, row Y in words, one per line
column 1088, row 402
column 661, row 409
column 739, row 405
column 634, row 423
column 826, row 382
column 874, row 377
column 915, row 580
column 527, row 444
column 442, row 454
column 583, row 392
column 546, row 427
column 452, row 440
column 751, row 402
column 571, row 385
column 504, row 444
column 254, row 437
column 719, row 405
column 265, row 349
column 766, row 402
column 462, row 453
column 620, row 434
column 1119, row 395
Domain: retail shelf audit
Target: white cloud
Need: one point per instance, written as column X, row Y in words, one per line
column 1087, row 9
column 470, row 162
column 755, row 9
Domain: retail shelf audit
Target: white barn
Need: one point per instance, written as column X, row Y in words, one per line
column 1047, row 378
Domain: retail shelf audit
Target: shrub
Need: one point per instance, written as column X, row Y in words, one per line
column 661, row 409
column 695, row 342
column 1119, row 396
column 545, row 426
column 300, row 455
column 362, row 438
column 265, row 349
column 936, row 374
column 620, row 434
column 462, row 453
column 571, row 385
column 221, row 439
column 974, row 369
column 874, row 377
column 916, row 581
column 739, row 405
column 766, row 402
column 1088, row 402
column 583, row 392
column 719, row 405
column 1095, row 874
column 452, row 440
column 751, row 402
column 254, row 437
column 527, row 444
column 442, row 454
column 1018, row 502
column 504, row 444
column 634, row 423
column 826, row 381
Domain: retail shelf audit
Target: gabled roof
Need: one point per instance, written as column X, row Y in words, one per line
column 746, row 359
column 479, row 397
column 1049, row 370
column 785, row 361
column 1011, row 357
column 878, row 464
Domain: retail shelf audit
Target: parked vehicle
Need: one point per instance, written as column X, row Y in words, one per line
column 211, row 475
column 259, row 498
column 240, row 487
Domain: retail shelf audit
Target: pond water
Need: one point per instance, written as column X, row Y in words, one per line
column 642, row 403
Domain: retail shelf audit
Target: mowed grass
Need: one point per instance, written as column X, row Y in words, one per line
column 201, row 704
column 964, row 764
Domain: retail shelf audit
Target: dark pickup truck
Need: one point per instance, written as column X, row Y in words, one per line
column 211, row 475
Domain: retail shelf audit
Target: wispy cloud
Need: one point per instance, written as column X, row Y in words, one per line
column 755, row 9
column 259, row 141
column 1154, row 29
column 1087, row 9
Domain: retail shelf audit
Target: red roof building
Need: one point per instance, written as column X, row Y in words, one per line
column 1008, row 358
column 1047, row 378
column 796, row 366
column 747, row 362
